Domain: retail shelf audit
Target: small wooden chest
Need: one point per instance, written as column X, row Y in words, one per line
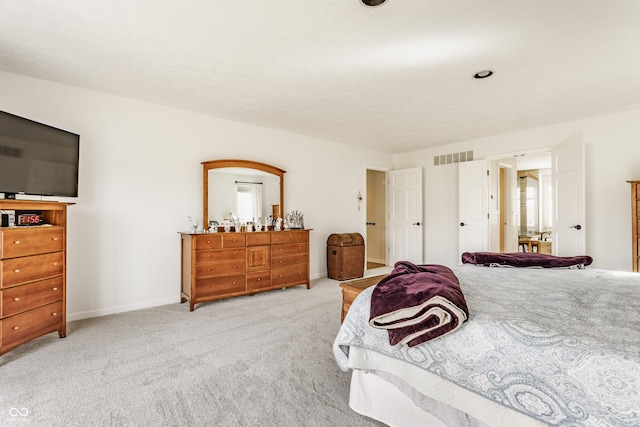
column 345, row 256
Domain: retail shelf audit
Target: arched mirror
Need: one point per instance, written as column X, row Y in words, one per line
column 241, row 189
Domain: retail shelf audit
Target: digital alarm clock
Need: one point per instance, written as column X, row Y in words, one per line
column 29, row 219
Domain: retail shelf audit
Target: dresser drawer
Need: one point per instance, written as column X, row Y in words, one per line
column 222, row 255
column 299, row 236
column 17, row 242
column 289, row 276
column 220, row 268
column 258, row 280
column 215, row 286
column 280, row 237
column 258, row 239
column 22, row 298
column 30, row 324
column 258, row 258
column 289, row 260
column 232, row 240
column 208, row 241
column 289, row 249
column 28, row 269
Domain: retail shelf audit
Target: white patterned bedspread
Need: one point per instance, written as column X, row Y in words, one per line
column 561, row 346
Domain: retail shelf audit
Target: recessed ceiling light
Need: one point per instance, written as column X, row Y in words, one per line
column 483, row 74
column 372, row 2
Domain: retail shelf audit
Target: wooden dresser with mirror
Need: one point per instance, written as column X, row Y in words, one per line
column 219, row 265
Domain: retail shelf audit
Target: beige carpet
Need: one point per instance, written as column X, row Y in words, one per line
column 262, row 360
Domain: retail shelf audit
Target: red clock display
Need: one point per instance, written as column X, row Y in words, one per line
column 30, row 219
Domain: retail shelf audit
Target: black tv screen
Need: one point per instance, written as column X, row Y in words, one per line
column 37, row 159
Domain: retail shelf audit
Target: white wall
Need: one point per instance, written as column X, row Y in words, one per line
column 612, row 145
column 140, row 177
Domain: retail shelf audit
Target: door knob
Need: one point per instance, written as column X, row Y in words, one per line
column 577, row 227
column 416, row 223
column 462, row 224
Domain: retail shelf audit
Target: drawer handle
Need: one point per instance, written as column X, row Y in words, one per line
column 16, row 299
column 54, row 289
column 54, row 314
column 208, row 269
column 17, row 270
column 54, row 263
column 235, row 283
column 208, row 255
column 17, row 242
column 208, row 241
column 15, row 328
column 259, row 279
column 54, row 239
column 235, row 266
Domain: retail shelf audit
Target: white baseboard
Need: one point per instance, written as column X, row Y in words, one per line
column 120, row 309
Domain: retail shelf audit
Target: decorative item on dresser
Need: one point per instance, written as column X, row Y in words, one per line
column 635, row 222
column 32, row 272
column 223, row 265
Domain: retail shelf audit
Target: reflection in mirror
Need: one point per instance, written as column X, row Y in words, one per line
column 536, row 201
column 247, row 195
column 528, row 190
column 241, row 191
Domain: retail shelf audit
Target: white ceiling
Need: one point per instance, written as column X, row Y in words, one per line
column 396, row 77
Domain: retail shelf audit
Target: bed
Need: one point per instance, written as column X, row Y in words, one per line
column 542, row 346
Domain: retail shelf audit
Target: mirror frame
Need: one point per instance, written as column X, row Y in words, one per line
column 234, row 163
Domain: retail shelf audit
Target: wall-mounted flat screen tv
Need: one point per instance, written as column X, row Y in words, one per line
column 37, row 159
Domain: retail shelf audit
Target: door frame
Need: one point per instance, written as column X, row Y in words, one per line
column 386, row 209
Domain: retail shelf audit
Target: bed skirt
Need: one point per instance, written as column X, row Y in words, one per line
column 374, row 397
column 400, row 394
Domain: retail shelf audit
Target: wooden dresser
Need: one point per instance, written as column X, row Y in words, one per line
column 32, row 274
column 223, row 265
column 635, row 223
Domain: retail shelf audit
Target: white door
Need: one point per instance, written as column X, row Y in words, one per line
column 567, row 174
column 404, row 201
column 473, row 208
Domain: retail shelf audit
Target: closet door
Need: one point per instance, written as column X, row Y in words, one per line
column 567, row 174
column 404, row 195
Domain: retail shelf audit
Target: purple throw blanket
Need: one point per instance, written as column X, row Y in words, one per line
column 417, row 303
column 525, row 259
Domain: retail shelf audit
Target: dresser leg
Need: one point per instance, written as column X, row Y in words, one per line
column 62, row 333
